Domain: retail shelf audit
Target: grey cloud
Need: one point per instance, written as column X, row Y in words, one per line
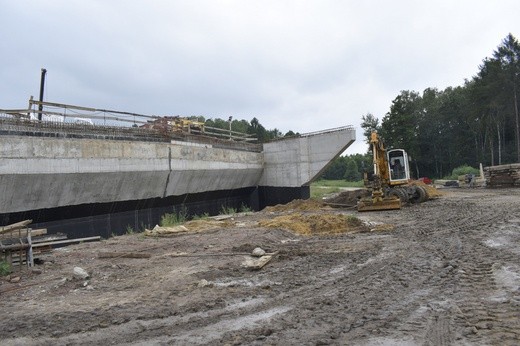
column 301, row 66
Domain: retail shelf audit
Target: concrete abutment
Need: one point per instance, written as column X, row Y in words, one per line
column 97, row 185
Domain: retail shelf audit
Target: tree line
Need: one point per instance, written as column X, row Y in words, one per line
column 466, row 125
column 252, row 127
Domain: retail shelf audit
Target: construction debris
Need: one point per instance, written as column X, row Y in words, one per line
column 67, row 241
column 15, row 226
column 16, row 244
column 190, row 226
column 258, row 252
column 258, row 263
column 80, row 273
column 20, row 244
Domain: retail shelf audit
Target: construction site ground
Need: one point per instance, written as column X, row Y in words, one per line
column 438, row 273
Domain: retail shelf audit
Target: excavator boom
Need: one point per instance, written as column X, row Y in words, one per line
column 381, row 178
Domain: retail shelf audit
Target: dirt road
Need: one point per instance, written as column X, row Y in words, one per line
column 447, row 273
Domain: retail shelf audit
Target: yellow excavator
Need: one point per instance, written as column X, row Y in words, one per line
column 390, row 184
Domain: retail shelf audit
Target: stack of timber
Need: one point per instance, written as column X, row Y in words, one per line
column 19, row 244
column 16, row 243
column 503, row 175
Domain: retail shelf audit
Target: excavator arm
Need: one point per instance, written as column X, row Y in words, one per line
column 379, row 158
column 380, row 179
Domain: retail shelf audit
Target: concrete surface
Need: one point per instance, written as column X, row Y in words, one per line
column 42, row 172
column 297, row 161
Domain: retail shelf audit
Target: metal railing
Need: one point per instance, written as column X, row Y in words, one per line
column 62, row 120
column 315, row 133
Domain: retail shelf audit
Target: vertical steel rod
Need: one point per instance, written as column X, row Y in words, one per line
column 42, row 85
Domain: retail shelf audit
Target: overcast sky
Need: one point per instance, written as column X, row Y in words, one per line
column 295, row 65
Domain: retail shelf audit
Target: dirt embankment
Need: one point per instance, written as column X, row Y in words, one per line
column 442, row 272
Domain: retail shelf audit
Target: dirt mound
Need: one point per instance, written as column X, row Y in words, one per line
column 316, row 224
column 297, row 204
column 347, row 198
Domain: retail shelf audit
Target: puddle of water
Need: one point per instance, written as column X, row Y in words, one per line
column 389, row 342
column 496, row 242
column 508, row 281
column 246, row 283
column 336, row 270
column 216, row 330
column 508, row 278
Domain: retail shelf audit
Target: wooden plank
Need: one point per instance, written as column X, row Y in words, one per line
column 256, row 264
column 49, row 238
column 14, row 247
column 68, row 241
column 16, row 234
column 14, row 226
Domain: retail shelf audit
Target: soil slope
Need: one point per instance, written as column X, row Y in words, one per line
column 443, row 272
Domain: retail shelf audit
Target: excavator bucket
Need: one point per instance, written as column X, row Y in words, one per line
column 374, row 204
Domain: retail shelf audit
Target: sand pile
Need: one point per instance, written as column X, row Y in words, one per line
column 316, row 224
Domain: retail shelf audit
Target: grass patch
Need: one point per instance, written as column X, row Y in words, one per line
column 318, row 192
column 227, row 210
column 244, row 208
column 175, row 218
column 5, row 268
column 321, row 188
column 201, row 217
column 129, row 230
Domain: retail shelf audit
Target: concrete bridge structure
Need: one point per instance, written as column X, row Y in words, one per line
column 97, row 181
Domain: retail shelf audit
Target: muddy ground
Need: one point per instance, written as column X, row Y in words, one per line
column 443, row 272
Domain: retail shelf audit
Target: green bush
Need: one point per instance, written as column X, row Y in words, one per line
column 201, row 217
column 462, row 170
column 227, row 210
column 244, row 208
column 5, row 268
column 175, row 218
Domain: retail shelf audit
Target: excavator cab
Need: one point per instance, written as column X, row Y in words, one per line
column 398, row 167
